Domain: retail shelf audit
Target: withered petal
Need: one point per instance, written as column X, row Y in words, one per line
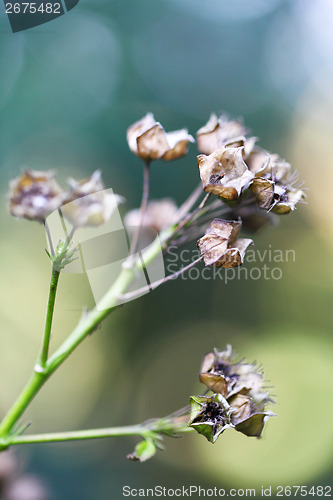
column 258, row 161
column 215, row 382
column 178, row 141
column 207, row 362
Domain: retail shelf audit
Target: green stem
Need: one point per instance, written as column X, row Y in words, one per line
column 49, row 316
column 28, row 393
column 130, row 430
column 86, row 325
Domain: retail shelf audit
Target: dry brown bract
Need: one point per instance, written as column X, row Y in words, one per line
column 34, row 195
column 220, row 246
column 148, row 140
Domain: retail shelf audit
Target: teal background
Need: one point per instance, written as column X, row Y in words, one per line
column 68, row 91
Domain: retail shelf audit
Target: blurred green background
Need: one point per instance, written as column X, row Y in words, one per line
column 68, row 91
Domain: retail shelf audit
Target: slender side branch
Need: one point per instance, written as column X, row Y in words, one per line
column 155, row 284
column 49, row 317
column 49, row 238
column 145, row 431
column 143, row 207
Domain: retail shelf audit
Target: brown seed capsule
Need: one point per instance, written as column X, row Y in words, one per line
column 148, row 140
column 224, row 172
column 238, row 402
column 34, row 195
column 221, row 247
column 220, row 132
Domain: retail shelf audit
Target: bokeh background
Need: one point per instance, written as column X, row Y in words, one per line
column 68, row 91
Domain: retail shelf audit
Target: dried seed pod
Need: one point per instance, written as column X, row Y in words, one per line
column 220, row 132
column 148, row 140
column 238, row 402
column 220, row 246
column 224, row 172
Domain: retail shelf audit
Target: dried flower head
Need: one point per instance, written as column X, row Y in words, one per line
column 220, row 132
column 232, row 162
column 148, row 140
column 224, row 172
column 158, row 215
column 221, row 374
column 34, row 195
column 221, row 247
column 238, row 402
column 87, row 204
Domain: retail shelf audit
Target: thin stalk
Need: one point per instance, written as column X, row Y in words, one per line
column 49, row 238
column 155, row 284
column 49, row 317
column 188, row 204
column 204, row 201
column 130, row 430
column 143, row 207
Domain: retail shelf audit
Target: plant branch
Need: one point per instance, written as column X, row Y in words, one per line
column 49, row 238
column 155, row 284
column 49, row 317
column 145, row 431
column 143, row 207
column 88, row 323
